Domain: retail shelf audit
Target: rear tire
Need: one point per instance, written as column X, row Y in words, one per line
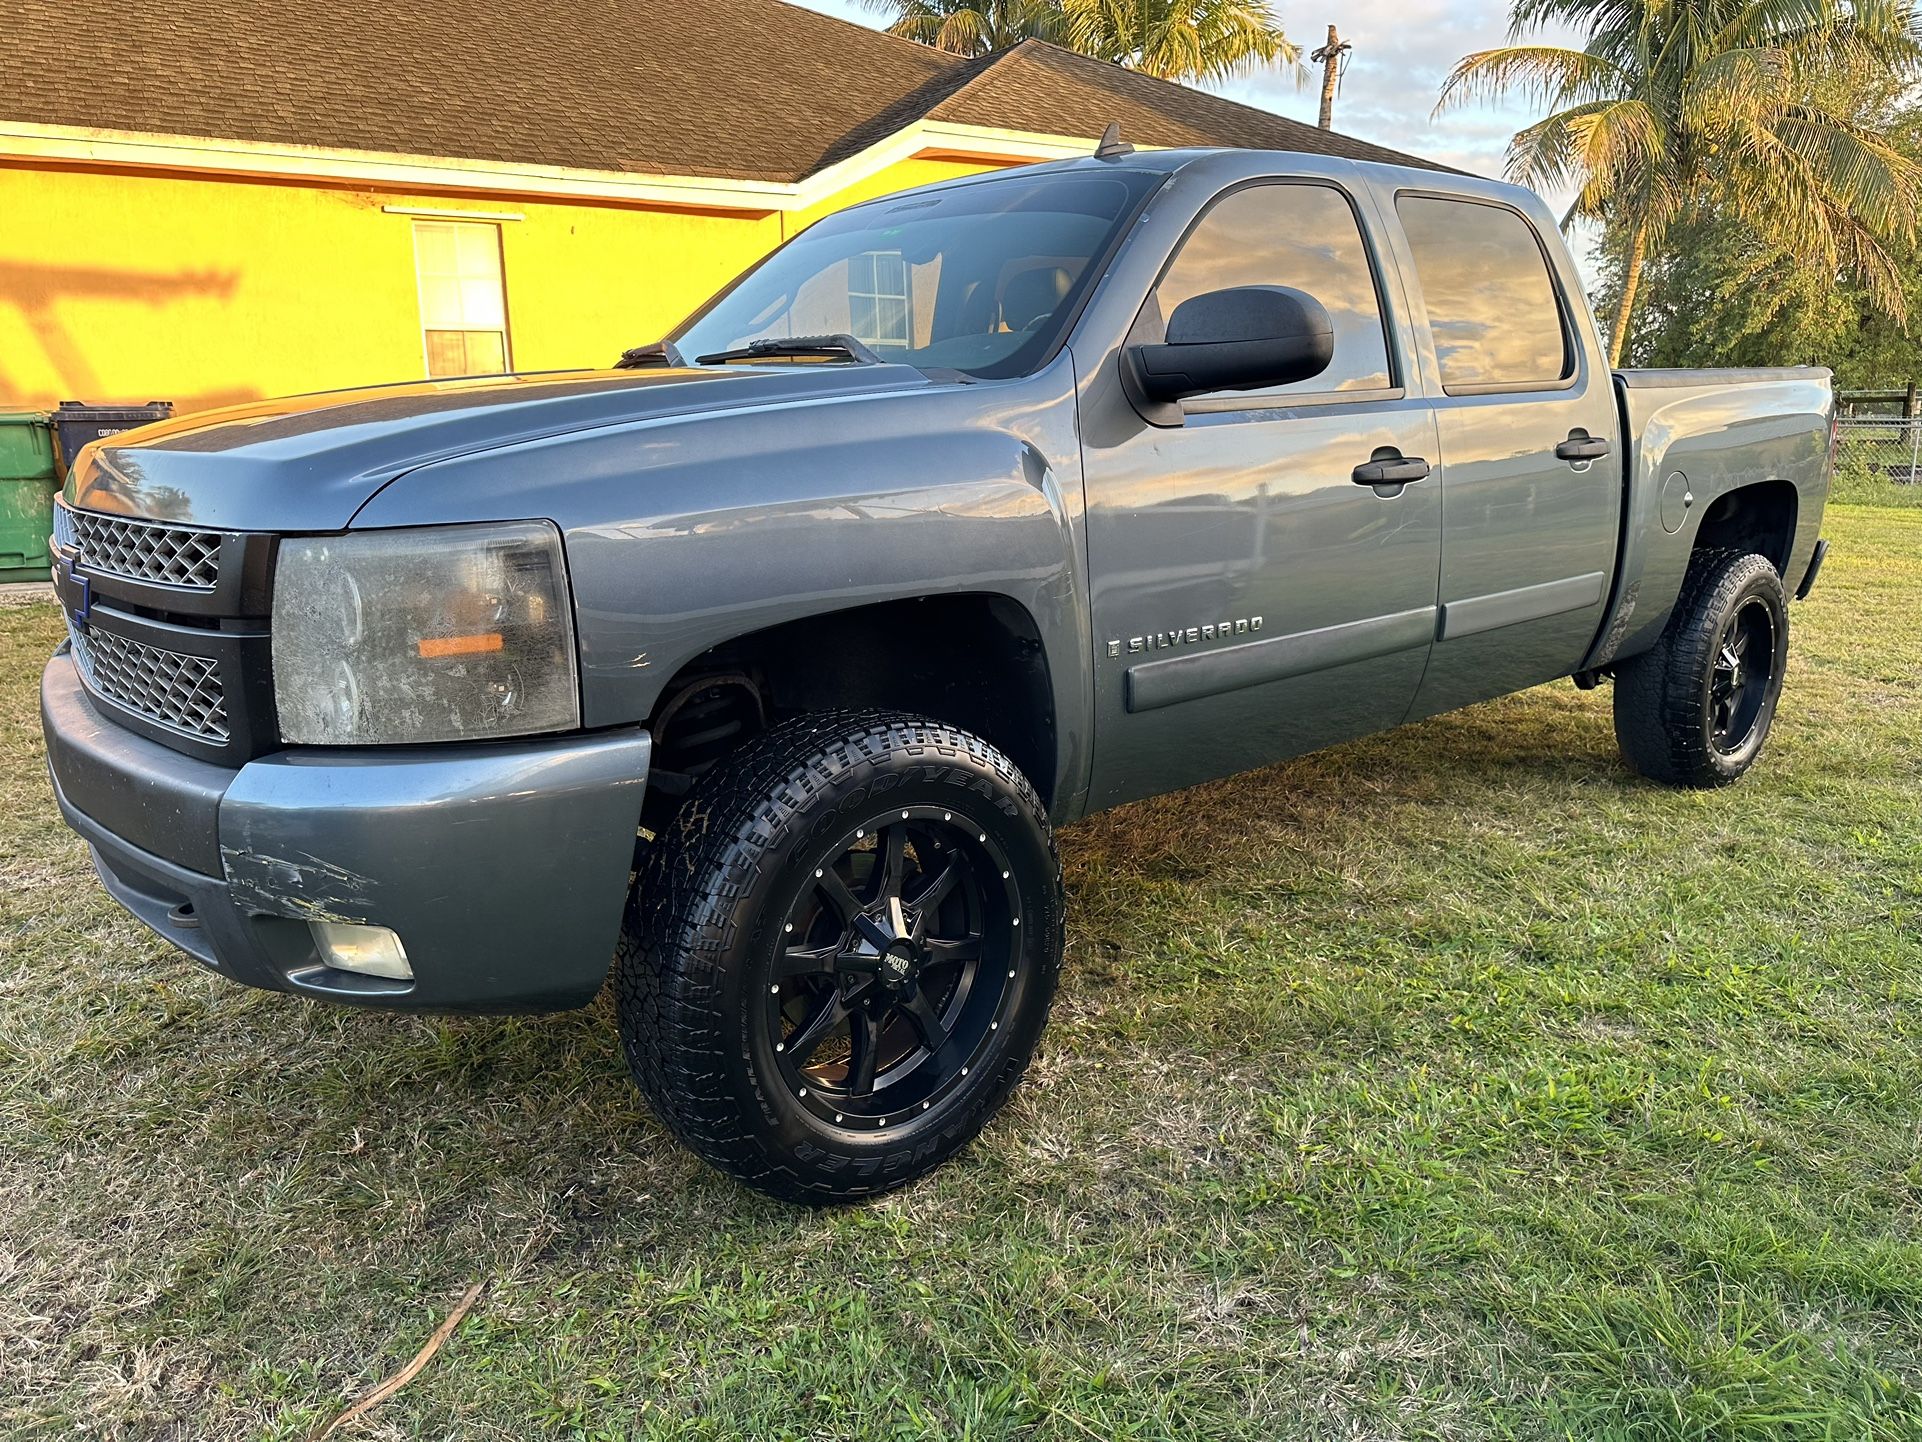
column 1695, row 708
column 841, row 954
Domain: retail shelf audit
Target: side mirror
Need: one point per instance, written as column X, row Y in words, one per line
column 1236, row 340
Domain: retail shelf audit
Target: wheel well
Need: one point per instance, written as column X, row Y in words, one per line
column 1758, row 518
column 975, row 661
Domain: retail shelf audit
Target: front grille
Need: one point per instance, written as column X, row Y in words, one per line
column 182, row 692
column 141, row 550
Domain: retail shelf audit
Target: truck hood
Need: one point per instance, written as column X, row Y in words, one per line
column 310, row 462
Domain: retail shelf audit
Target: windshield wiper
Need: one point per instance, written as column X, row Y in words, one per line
column 641, row 357
column 841, row 349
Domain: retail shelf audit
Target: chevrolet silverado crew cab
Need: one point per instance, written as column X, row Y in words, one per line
column 758, row 669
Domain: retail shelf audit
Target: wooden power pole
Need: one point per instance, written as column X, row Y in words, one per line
column 1330, row 56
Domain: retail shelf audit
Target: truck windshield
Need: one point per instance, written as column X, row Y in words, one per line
column 979, row 279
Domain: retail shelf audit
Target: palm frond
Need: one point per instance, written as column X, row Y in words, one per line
column 1180, row 39
column 1553, row 74
column 1601, row 144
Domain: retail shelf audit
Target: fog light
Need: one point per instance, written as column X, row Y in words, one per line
column 369, row 950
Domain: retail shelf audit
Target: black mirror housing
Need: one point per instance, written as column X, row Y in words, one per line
column 1243, row 338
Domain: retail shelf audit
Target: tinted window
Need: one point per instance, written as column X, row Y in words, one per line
column 1491, row 304
column 977, row 278
column 1304, row 236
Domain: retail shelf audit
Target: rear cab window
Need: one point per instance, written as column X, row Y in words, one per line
column 1294, row 233
column 1493, row 307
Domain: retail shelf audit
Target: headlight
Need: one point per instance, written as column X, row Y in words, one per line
column 441, row 633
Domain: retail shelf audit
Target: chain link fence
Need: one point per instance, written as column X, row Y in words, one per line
column 1880, row 454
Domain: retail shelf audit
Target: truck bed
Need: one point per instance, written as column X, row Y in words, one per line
column 1690, row 438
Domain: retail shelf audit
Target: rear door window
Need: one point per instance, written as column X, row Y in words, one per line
column 1492, row 304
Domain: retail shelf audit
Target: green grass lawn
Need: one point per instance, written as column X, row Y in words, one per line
column 1858, row 483
column 1450, row 1084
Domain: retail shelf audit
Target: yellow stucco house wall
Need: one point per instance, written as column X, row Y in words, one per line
column 145, row 278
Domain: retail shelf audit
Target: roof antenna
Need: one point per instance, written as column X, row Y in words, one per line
column 1112, row 146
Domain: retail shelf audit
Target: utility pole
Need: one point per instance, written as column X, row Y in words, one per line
column 1330, row 56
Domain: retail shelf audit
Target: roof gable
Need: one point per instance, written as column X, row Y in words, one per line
column 1040, row 87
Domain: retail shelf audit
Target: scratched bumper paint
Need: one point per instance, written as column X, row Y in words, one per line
column 503, row 867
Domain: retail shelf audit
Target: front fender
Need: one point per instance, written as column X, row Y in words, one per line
column 685, row 533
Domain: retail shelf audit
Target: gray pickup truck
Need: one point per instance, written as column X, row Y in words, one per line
column 759, row 668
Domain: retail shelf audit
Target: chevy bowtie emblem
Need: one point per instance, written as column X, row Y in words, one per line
column 84, row 589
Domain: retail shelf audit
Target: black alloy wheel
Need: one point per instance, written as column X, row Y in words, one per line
column 1741, row 679
column 838, row 958
column 894, row 972
column 1695, row 708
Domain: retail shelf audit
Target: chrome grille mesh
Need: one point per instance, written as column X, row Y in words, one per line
column 180, row 691
column 141, row 550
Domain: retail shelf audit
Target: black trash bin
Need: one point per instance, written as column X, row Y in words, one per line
column 75, row 423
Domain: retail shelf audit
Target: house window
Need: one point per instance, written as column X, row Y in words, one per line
column 463, row 306
column 878, row 298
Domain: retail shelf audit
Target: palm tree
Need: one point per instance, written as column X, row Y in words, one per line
column 1180, row 39
column 974, row 27
column 1173, row 39
column 1680, row 105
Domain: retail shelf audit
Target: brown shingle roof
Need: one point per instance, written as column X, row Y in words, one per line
column 745, row 89
column 1044, row 88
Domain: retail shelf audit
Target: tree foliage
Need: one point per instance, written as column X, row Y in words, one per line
column 1172, row 39
column 1721, row 294
column 975, row 27
column 1680, row 110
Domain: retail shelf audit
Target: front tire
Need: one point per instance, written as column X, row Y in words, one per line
column 840, row 956
column 1695, row 708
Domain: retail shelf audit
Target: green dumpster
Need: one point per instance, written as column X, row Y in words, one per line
column 28, row 481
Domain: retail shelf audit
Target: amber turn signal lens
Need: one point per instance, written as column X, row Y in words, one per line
column 434, row 648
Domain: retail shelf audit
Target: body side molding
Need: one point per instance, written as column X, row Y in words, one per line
column 1154, row 684
column 1475, row 614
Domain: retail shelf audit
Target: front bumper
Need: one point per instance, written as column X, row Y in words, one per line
column 503, row 867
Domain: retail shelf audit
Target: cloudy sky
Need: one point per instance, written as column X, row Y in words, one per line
column 1403, row 51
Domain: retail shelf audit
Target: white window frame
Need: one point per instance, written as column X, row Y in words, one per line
column 905, row 295
column 421, row 223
